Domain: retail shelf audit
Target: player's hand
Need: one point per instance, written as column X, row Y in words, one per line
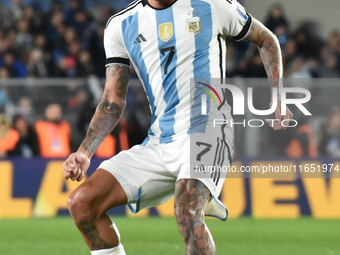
column 277, row 124
column 75, row 166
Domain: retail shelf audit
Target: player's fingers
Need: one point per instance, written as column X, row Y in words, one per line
column 67, row 175
column 273, row 123
column 286, row 119
column 72, row 163
column 280, row 127
column 67, row 166
column 81, row 176
column 76, row 174
column 269, row 122
column 70, row 173
column 276, row 125
column 288, row 116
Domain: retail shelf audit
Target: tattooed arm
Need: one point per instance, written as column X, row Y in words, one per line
column 270, row 50
column 270, row 53
column 109, row 110
column 106, row 117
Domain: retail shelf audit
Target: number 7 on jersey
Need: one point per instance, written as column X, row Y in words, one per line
column 171, row 55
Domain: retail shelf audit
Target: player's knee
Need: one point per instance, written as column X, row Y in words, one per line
column 187, row 213
column 188, row 219
column 189, row 203
column 80, row 206
column 183, row 210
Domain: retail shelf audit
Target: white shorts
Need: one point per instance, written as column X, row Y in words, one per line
column 148, row 173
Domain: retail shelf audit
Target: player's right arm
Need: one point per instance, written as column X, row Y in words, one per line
column 270, row 52
column 106, row 117
column 234, row 21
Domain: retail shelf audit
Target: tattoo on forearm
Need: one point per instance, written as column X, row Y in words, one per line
column 109, row 110
column 189, row 206
column 91, row 232
column 270, row 55
column 270, row 52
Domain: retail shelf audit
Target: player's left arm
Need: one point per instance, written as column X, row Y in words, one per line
column 271, row 56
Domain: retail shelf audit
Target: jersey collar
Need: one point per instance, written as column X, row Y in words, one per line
column 145, row 2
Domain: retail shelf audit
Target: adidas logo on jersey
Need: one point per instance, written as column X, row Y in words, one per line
column 140, row 39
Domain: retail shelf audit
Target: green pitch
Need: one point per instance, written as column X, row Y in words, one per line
column 159, row 236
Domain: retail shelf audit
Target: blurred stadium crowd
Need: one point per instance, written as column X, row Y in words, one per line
column 64, row 39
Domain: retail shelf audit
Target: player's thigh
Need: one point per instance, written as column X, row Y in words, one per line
column 100, row 192
column 142, row 175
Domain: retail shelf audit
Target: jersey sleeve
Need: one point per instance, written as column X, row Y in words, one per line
column 115, row 50
column 232, row 18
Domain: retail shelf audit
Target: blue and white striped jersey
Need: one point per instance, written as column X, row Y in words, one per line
column 167, row 47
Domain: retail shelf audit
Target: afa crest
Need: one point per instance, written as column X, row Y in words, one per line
column 166, row 31
column 194, row 25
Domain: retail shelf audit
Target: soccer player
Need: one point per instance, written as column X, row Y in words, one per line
column 167, row 42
